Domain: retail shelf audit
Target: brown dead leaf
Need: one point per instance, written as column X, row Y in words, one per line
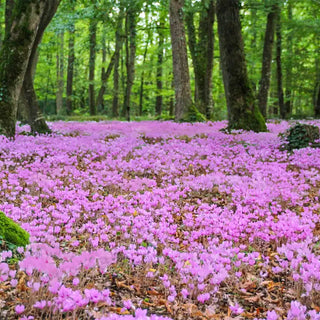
column 118, row 310
column 123, row 285
column 166, row 304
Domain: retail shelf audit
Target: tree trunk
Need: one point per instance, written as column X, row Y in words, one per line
column 288, row 82
column 70, row 71
column 131, row 23
column 115, row 100
column 14, row 59
column 266, row 61
column 180, row 61
column 202, row 55
column 159, row 99
column 242, row 111
column 60, row 75
column 282, row 108
column 92, row 65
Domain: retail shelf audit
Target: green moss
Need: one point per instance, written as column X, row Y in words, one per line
column 193, row 115
column 250, row 120
column 12, row 232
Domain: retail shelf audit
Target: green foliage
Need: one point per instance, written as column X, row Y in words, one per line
column 12, row 232
column 300, row 136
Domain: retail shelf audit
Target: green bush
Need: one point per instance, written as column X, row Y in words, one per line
column 300, row 136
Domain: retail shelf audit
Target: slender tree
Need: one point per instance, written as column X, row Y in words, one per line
column 159, row 99
column 70, row 71
column 283, row 113
column 289, row 64
column 180, row 61
column 60, row 74
column 92, row 65
column 242, row 111
column 131, row 24
column 119, row 44
column 266, row 61
column 149, row 38
column 201, row 44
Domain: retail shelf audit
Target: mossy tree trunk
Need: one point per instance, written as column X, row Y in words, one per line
column 201, row 44
column 242, row 111
column 14, row 58
column 180, row 61
column 266, row 61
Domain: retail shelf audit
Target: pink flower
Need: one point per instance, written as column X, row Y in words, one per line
column 40, row 304
column 75, row 281
column 19, row 308
column 236, row 309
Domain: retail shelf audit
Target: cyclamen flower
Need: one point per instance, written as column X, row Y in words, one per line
column 185, row 293
column 75, row 281
column 19, row 309
column 272, row 315
column 203, row 297
column 236, row 309
column 297, row 311
column 127, row 304
column 40, row 304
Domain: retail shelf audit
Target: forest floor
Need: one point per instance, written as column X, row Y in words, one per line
column 158, row 220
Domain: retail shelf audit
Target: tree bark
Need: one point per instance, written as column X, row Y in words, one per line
column 180, row 61
column 60, row 75
column 14, row 58
column 242, row 111
column 92, row 65
column 266, row 61
column 202, row 55
column 282, row 108
column 70, row 71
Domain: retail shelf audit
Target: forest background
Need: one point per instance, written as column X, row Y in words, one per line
column 82, row 62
